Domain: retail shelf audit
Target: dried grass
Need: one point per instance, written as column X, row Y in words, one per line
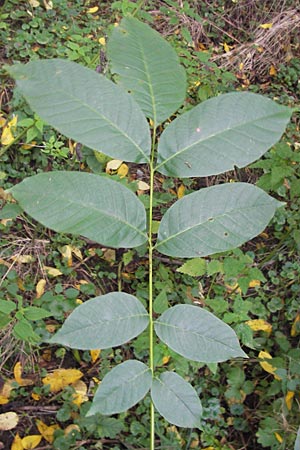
column 270, row 46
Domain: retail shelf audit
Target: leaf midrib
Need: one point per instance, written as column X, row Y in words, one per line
column 203, row 224
column 193, row 332
column 223, row 131
column 83, row 205
column 94, row 111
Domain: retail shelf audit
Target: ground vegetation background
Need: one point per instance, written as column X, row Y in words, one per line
column 46, row 390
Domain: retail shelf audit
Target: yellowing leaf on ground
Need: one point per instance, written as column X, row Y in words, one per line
column 32, row 441
column 94, row 355
column 266, row 26
column 8, row 421
column 295, row 330
column 48, row 5
column 17, row 443
column 272, row 71
column 267, row 366
column 5, row 392
column 71, row 428
column 66, row 252
column 77, row 252
column 52, row 271
column 181, row 191
column 2, row 121
column 142, row 186
column 23, row 259
column 278, row 437
column 61, row 378
column 102, row 41
column 34, row 3
column 40, row 288
column 123, row 170
column 165, row 360
column 113, row 165
column 35, row 396
column 227, row 47
column 7, row 136
column 289, row 399
column 18, row 370
column 254, row 283
column 47, row 431
column 93, row 10
column 259, row 325
column 80, row 396
column 109, row 255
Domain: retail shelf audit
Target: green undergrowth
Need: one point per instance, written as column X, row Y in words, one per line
column 246, row 404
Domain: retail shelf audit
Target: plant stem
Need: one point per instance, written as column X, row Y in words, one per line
column 151, row 326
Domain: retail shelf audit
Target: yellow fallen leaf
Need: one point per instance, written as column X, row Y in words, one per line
column 254, row 283
column 20, row 284
column 102, row 41
column 5, row 392
column 40, row 288
column 123, row 170
column 142, row 186
column 52, row 271
column 66, row 252
column 113, row 165
column 47, row 431
column 194, row 443
column 93, row 9
column 266, row 26
column 35, row 396
column 295, row 330
column 18, row 370
column 32, row 441
column 8, row 421
column 17, row 443
column 48, row 5
column 267, row 366
column 61, row 378
column 233, row 288
column 109, row 255
column 80, row 396
column 34, row 3
column 71, row 428
column 181, row 191
column 51, row 328
column 23, row 259
column 259, row 325
column 278, row 437
column 94, row 355
column 289, row 399
column 2, row 121
column 77, row 252
column 165, row 360
column 7, row 136
column 272, row 71
column 227, row 47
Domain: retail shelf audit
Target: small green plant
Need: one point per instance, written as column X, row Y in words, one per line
column 232, row 129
